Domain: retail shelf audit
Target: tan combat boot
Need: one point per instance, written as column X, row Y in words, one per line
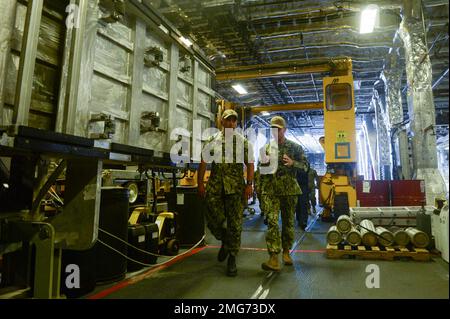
column 272, row 264
column 287, row 258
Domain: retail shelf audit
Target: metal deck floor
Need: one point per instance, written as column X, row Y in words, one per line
column 313, row 276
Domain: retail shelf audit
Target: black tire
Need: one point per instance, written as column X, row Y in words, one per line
column 172, row 248
column 134, row 192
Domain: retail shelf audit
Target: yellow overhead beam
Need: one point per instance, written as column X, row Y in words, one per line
column 340, row 66
column 287, row 107
column 260, row 72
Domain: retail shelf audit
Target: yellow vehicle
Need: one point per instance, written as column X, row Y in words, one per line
column 340, row 146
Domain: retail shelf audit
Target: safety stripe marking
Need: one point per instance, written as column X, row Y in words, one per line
column 265, row 249
column 140, row 277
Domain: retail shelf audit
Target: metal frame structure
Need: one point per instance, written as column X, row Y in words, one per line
column 186, row 95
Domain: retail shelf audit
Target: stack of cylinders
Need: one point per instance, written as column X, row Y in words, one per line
column 401, row 237
column 344, row 224
column 418, row 238
column 353, row 237
column 386, row 238
column 368, row 236
column 334, row 237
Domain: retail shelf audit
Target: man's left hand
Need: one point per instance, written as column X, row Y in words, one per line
column 287, row 161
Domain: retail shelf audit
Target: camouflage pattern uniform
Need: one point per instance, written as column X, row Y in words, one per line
column 312, row 177
column 224, row 195
column 261, row 181
column 282, row 190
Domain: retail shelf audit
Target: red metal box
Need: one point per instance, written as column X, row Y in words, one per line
column 372, row 193
column 408, row 193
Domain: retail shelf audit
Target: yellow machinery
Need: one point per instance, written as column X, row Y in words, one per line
column 336, row 189
column 168, row 244
column 339, row 144
column 190, row 179
column 166, row 222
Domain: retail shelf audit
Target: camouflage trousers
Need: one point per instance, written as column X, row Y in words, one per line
column 264, row 203
column 224, row 219
column 275, row 242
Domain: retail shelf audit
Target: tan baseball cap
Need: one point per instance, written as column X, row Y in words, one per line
column 278, row 121
column 227, row 113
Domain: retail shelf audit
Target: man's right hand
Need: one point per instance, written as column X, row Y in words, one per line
column 201, row 190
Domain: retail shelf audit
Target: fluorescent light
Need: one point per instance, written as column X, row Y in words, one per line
column 5, row 185
column 164, row 29
column 240, row 89
column 368, row 18
column 187, row 42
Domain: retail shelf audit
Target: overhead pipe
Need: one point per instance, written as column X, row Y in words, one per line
column 332, row 45
column 342, row 4
column 439, row 80
column 315, row 28
column 326, row 29
column 350, row 7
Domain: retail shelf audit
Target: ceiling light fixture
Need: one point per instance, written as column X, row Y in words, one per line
column 240, row 89
column 163, row 28
column 368, row 18
column 186, row 41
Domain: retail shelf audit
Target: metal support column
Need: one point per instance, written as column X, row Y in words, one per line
column 392, row 77
column 7, row 18
column 77, row 225
column 137, row 83
column 196, row 144
column 421, row 101
column 383, row 145
column 45, row 271
column 81, row 64
column 173, row 89
column 27, row 63
column 371, row 135
column 403, row 145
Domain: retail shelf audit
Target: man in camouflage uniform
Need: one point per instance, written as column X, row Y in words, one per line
column 301, row 209
column 282, row 190
column 226, row 190
column 260, row 182
column 312, row 181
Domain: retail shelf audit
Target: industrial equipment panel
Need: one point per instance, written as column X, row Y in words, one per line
column 339, row 116
column 120, row 76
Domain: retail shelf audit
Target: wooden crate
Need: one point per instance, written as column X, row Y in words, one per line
column 377, row 252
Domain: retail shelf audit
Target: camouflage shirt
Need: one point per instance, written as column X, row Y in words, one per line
column 227, row 170
column 281, row 180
